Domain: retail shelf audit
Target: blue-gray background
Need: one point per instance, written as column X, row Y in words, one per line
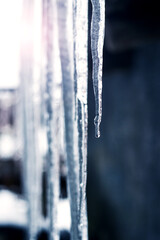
column 124, row 164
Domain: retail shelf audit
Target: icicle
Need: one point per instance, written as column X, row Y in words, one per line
column 66, row 61
column 97, row 40
column 29, row 158
column 74, row 53
column 65, row 13
column 30, row 119
column 82, row 143
column 37, row 79
column 81, row 79
column 53, row 96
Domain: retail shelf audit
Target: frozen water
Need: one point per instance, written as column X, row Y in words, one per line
column 54, row 71
column 65, row 20
column 53, row 100
column 97, row 41
column 30, row 94
column 81, row 88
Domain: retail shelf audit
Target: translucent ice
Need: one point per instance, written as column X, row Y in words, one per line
column 62, row 58
column 65, row 22
column 53, row 101
column 81, row 79
column 30, row 94
column 97, row 41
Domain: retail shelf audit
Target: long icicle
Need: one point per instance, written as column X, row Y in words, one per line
column 81, row 78
column 53, row 81
column 65, row 16
column 97, row 41
column 29, row 121
column 37, row 78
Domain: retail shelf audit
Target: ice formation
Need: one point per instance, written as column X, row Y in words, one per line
column 54, row 74
column 97, row 41
column 81, row 76
column 65, row 20
column 30, row 95
column 53, row 101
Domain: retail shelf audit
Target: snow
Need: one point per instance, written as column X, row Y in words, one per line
column 13, row 211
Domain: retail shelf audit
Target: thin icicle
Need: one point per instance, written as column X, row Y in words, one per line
column 81, row 57
column 37, row 77
column 74, row 53
column 84, row 172
column 53, row 96
column 82, row 143
column 97, row 41
column 65, row 13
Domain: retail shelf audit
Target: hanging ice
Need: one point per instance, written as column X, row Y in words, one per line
column 81, row 86
column 97, row 40
column 64, row 87
column 65, row 20
column 30, row 95
column 53, row 106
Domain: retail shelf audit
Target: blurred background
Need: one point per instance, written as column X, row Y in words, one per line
column 124, row 164
column 123, row 189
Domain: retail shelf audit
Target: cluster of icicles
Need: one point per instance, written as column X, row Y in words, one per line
column 54, row 74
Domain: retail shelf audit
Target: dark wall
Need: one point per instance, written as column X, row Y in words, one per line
column 124, row 164
column 130, row 23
